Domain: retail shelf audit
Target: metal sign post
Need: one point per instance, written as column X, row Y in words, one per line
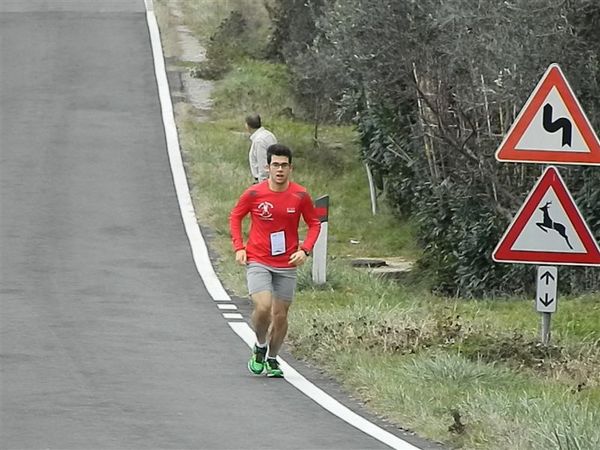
column 546, row 299
column 549, row 229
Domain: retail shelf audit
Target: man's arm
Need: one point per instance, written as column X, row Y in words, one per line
column 310, row 217
column 253, row 160
column 261, row 160
column 239, row 211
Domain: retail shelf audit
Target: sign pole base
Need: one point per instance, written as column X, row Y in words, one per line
column 546, row 319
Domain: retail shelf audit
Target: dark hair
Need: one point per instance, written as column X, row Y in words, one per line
column 278, row 150
column 253, row 121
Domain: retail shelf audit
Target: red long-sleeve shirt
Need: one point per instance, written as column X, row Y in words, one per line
column 272, row 212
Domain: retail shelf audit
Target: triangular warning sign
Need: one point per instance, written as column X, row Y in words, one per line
column 548, row 229
column 551, row 127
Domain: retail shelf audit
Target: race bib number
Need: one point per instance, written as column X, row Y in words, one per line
column 277, row 243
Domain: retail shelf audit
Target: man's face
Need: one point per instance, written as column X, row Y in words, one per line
column 280, row 169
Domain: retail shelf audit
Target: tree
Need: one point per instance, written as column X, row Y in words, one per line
column 434, row 86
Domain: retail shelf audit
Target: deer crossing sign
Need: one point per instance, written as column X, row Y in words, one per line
column 548, row 229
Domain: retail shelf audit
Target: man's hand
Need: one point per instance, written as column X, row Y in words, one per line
column 240, row 257
column 298, row 258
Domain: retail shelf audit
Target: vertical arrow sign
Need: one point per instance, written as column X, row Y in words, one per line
column 545, row 299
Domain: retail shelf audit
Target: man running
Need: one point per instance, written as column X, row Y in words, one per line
column 272, row 253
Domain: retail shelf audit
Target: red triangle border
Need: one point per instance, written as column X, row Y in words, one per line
column 552, row 78
column 550, row 179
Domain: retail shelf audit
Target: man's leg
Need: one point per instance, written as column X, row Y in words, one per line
column 279, row 325
column 261, row 315
column 261, row 319
column 284, row 285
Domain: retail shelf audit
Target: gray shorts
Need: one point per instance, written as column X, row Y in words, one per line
column 280, row 282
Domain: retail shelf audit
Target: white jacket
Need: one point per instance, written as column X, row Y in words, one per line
column 261, row 140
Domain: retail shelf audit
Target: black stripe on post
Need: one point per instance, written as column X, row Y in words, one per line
column 322, row 208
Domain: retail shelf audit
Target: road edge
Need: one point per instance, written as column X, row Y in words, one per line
column 204, row 264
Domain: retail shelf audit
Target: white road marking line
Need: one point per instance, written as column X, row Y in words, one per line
column 233, row 316
column 226, row 306
column 243, row 330
column 199, row 250
column 204, row 265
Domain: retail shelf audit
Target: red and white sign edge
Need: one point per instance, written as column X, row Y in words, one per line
column 552, row 78
column 550, row 179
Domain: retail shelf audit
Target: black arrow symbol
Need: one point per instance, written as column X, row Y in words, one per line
column 553, row 126
column 547, row 275
column 546, row 302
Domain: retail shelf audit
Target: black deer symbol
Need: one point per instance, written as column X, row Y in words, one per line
column 549, row 224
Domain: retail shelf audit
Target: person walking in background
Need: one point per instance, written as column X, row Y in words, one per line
column 272, row 252
column 261, row 139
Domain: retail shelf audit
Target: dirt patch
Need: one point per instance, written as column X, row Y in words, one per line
column 576, row 366
column 185, row 48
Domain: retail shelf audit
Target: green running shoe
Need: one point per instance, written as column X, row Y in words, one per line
column 256, row 364
column 273, row 369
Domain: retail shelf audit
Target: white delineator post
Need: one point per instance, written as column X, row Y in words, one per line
column 319, row 268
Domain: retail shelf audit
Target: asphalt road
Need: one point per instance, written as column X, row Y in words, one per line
column 108, row 338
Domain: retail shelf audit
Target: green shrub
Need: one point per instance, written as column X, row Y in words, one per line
column 434, row 87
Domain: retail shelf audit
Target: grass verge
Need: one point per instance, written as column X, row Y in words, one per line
column 467, row 373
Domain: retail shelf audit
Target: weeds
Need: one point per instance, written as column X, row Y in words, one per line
column 401, row 331
column 470, row 373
